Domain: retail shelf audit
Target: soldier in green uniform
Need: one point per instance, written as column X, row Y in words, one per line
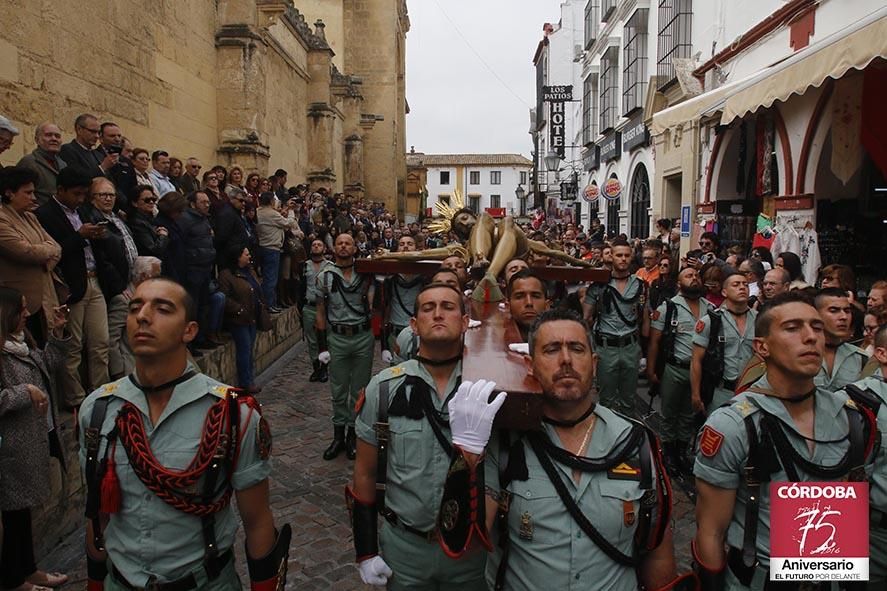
column 872, row 392
column 818, row 436
column 407, row 342
column 403, row 455
column 344, row 310
column 618, row 313
column 736, row 336
column 526, row 299
column 313, row 266
column 582, row 503
column 400, row 299
column 149, row 439
column 676, row 319
column 842, row 363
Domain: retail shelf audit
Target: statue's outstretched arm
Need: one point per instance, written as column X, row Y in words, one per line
column 537, row 247
column 434, row 254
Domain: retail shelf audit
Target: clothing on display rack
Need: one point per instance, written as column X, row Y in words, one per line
column 795, row 233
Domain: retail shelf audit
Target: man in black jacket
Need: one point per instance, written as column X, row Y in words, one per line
column 231, row 228
column 79, row 267
column 200, row 256
column 80, row 153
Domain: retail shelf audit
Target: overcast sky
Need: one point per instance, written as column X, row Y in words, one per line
column 456, row 104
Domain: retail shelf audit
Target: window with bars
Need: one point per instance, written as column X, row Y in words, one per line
column 613, row 208
column 609, row 86
column 523, row 177
column 591, row 22
column 640, row 203
column 474, row 177
column 634, row 72
column 608, row 7
column 496, row 201
column 675, row 20
column 589, row 109
column 495, row 177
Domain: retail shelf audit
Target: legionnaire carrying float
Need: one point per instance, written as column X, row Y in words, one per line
column 163, row 452
column 783, row 428
column 399, row 299
column 313, row 266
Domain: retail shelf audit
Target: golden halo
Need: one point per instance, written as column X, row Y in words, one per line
column 447, row 211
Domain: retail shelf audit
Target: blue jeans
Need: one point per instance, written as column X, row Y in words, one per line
column 270, row 270
column 216, row 311
column 244, row 339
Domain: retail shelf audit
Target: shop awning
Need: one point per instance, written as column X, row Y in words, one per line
column 693, row 108
column 853, row 47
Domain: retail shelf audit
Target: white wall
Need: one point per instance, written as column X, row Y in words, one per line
column 505, row 190
column 434, row 186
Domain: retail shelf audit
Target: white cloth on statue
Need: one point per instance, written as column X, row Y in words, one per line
column 809, row 253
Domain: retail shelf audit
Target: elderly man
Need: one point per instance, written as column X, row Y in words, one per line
column 81, row 151
column 143, row 268
column 45, row 160
column 190, row 181
column 776, row 281
column 8, row 131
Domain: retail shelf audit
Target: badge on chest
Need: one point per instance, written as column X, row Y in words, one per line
column 629, row 470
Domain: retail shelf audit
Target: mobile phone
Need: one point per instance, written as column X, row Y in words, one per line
column 115, row 149
column 102, row 223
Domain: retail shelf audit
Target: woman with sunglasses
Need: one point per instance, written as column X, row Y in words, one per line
column 212, row 188
column 665, row 286
column 150, row 238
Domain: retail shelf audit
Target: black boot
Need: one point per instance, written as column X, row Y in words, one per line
column 671, row 457
column 337, row 445
column 686, row 459
column 315, row 375
column 351, row 443
column 324, row 374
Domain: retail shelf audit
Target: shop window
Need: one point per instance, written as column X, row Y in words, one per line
column 640, row 203
column 474, row 177
column 613, row 207
column 634, row 72
column 445, row 177
column 675, row 18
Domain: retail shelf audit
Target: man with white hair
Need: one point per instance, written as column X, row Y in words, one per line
column 8, row 131
column 143, row 268
column 45, row 160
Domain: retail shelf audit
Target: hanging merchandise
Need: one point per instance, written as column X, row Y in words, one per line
column 764, row 235
column 764, row 156
column 796, row 234
column 846, row 121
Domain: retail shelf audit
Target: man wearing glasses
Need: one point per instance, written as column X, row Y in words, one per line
column 710, row 244
column 81, row 152
column 189, row 181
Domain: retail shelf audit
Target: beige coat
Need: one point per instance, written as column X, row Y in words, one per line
column 28, row 254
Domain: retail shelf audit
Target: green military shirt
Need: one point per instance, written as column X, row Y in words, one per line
column 878, row 492
column 311, row 273
column 347, row 304
column 848, row 364
column 609, row 321
column 149, row 537
column 407, row 344
column 548, row 549
column 737, row 347
column 417, row 464
column 403, row 300
column 723, row 452
column 685, row 324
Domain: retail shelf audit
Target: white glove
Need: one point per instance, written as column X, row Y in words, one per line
column 522, row 348
column 374, row 571
column 324, row 357
column 473, row 323
column 387, row 356
column 471, row 416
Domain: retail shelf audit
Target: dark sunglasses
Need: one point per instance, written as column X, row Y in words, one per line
column 150, row 200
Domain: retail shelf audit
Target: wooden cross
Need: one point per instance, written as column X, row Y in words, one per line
column 486, row 354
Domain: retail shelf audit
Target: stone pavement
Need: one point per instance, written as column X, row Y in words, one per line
column 309, row 492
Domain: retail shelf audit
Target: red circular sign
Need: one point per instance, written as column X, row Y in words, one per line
column 591, row 193
column 612, row 189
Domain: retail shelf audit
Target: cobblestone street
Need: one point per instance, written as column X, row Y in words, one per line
column 309, row 492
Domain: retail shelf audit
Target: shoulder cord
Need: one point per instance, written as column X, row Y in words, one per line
column 613, row 293
column 670, row 334
column 93, row 471
column 581, row 520
column 339, row 286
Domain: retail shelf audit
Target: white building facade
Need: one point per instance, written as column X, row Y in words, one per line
column 487, row 182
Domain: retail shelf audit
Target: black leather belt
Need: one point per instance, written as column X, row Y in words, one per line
column 728, row 385
column 610, row 341
column 349, row 330
column 429, row 536
column 679, row 364
column 184, row 584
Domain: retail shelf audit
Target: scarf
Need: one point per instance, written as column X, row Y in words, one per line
column 15, row 345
